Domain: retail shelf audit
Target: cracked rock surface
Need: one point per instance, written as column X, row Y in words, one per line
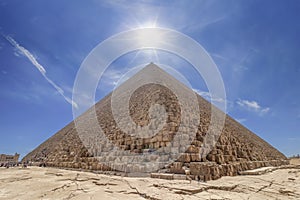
column 51, row 183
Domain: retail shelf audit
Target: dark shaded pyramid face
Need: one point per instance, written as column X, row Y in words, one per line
column 145, row 124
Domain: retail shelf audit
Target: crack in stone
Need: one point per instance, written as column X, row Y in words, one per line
column 104, row 184
column 198, row 190
column 15, row 179
column 74, row 181
column 144, row 195
column 61, row 187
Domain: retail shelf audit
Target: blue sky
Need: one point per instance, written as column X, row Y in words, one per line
column 255, row 44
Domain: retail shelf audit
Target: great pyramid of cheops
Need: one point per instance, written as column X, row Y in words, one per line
column 236, row 149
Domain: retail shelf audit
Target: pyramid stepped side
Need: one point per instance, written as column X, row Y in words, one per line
column 237, row 149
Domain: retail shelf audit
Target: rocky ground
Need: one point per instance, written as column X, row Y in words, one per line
column 52, row 183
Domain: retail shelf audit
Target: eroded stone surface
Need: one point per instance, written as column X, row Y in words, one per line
column 52, row 183
column 237, row 149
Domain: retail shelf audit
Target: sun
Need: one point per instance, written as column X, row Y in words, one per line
column 149, row 36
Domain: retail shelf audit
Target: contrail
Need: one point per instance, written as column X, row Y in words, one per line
column 41, row 69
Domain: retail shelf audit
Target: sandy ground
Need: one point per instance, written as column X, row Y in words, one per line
column 295, row 161
column 50, row 183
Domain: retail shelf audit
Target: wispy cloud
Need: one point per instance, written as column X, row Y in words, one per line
column 294, row 139
column 241, row 65
column 218, row 56
column 111, row 77
column 253, row 106
column 26, row 53
column 22, row 50
column 241, row 120
column 209, row 97
column 205, row 22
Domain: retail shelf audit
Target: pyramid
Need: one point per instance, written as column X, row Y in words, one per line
column 236, row 148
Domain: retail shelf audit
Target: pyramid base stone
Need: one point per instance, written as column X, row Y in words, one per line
column 201, row 171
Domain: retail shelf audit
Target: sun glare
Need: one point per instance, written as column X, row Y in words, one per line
column 149, row 24
column 148, row 38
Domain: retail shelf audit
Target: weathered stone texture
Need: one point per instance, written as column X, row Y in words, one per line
column 237, row 148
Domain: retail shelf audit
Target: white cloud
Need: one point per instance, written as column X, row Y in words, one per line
column 116, row 76
column 250, row 104
column 209, row 97
column 26, row 53
column 242, row 64
column 205, row 22
column 265, row 110
column 253, row 106
column 241, row 120
column 219, row 56
column 112, row 76
column 20, row 49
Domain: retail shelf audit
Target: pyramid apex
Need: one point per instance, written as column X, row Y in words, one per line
column 152, row 66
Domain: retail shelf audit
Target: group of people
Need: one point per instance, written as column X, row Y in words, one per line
column 8, row 165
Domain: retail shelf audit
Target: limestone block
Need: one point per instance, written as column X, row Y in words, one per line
column 219, row 159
